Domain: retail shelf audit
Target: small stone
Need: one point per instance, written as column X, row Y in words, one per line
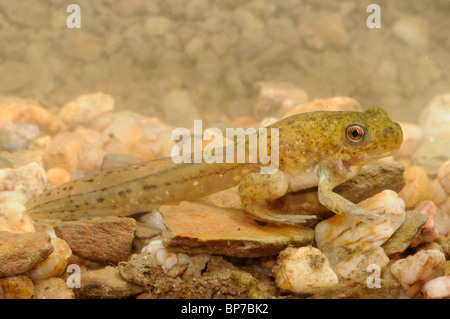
column 437, row 288
column 337, row 103
column 99, row 239
column 15, row 137
column 86, row 108
column 350, row 232
column 57, row 176
column 17, row 287
column 12, row 213
column 29, row 179
column 63, row 151
column 55, row 264
column 21, row 252
column 415, row 187
column 198, row 228
column 304, row 270
column 26, row 112
column 356, row 266
column 106, row 283
column 417, row 269
column 428, row 231
column 136, row 136
column 404, row 235
column 53, row 288
column 157, row 254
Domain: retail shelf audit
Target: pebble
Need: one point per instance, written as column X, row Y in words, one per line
column 25, row 112
column 304, row 270
column 437, row 288
column 85, row 109
column 57, row 176
column 428, row 231
column 105, row 240
column 416, row 186
column 16, row 287
column 55, row 264
column 52, row 288
column 356, row 265
column 276, row 98
column 413, row 137
column 106, row 283
column 435, row 118
column 416, row 269
column 405, row 234
column 337, row 103
column 20, row 252
column 159, row 255
column 197, row 228
column 63, row 151
column 12, row 213
column 14, row 137
column 29, row 179
column 138, row 137
column 349, row 232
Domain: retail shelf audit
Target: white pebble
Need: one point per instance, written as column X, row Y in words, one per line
column 412, row 271
column 437, row 288
column 154, row 219
column 161, row 256
column 352, row 233
column 358, row 264
column 304, row 270
column 55, row 265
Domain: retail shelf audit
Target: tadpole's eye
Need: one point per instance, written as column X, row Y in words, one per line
column 355, row 133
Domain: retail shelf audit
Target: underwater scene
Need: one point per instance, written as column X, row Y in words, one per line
column 224, row 149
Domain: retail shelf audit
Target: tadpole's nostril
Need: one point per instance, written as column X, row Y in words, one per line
column 389, row 129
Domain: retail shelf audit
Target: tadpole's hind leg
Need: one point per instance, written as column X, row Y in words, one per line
column 256, row 188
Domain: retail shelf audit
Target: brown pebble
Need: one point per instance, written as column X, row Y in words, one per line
column 99, row 239
column 19, row 252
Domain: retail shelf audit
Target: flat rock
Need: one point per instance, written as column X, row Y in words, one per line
column 99, row 239
column 106, row 283
column 19, row 252
column 199, row 228
column 404, row 235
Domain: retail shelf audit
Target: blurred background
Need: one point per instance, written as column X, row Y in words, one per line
column 186, row 59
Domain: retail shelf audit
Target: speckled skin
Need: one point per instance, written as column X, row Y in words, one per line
column 314, row 150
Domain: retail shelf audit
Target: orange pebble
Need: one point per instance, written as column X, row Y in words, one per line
column 58, row 176
column 416, row 185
